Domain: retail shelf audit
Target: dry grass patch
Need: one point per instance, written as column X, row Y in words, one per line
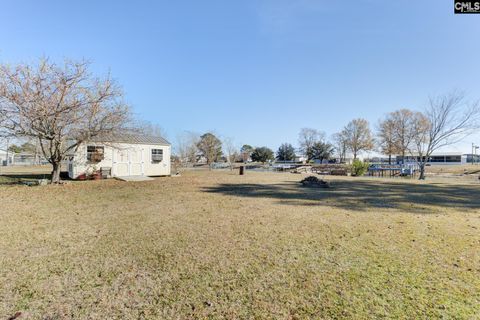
column 453, row 169
column 218, row 245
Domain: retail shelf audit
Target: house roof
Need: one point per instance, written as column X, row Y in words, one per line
column 132, row 138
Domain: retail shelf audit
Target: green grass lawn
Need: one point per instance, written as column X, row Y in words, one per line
column 218, row 245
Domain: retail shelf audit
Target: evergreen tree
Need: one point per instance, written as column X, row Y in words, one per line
column 286, row 152
column 321, row 151
column 262, row 154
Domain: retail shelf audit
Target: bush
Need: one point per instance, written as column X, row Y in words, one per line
column 359, row 168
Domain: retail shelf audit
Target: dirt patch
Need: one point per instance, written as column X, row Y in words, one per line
column 314, row 182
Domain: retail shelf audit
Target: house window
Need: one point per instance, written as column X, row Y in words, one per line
column 157, row 155
column 95, row 153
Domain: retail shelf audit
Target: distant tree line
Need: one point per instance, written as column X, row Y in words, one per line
column 193, row 148
column 60, row 106
column 26, row 147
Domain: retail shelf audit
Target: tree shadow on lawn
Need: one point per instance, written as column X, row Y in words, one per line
column 363, row 195
column 18, row 178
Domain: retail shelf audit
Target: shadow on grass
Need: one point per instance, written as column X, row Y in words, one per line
column 19, row 178
column 27, row 176
column 362, row 195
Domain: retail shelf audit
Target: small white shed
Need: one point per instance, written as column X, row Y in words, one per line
column 121, row 155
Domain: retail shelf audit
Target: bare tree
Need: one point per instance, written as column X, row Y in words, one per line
column 358, row 136
column 307, row 139
column 386, row 137
column 60, row 105
column 396, row 132
column 403, row 129
column 151, row 129
column 447, row 120
column 210, row 147
column 230, row 151
column 186, row 147
column 340, row 145
column 420, row 141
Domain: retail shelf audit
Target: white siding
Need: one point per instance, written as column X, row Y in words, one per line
column 124, row 159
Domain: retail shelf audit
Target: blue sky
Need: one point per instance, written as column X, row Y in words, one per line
column 257, row 70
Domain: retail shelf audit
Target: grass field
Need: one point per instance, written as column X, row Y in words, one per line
column 218, row 245
column 453, row 169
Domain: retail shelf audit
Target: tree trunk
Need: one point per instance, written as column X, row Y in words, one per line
column 422, row 171
column 56, row 167
column 389, row 159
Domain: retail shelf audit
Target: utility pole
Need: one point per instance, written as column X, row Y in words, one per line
column 7, row 151
column 474, row 156
column 35, row 159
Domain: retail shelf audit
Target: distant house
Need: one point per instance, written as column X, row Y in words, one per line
column 300, row 159
column 28, row 159
column 6, row 157
column 121, row 155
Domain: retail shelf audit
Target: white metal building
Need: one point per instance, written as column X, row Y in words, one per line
column 122, row 155
column 445, row 158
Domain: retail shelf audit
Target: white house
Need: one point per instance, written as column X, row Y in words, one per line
column 6, row 157
column 121, row 155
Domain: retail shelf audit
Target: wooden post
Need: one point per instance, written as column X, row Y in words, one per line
column 242, row 170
